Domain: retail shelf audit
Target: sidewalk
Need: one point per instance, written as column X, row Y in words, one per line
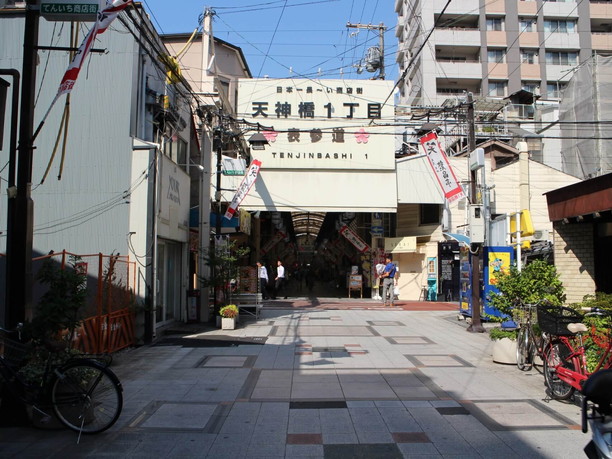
column 337, row 379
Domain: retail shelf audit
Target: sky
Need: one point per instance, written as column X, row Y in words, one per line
column 291, row 38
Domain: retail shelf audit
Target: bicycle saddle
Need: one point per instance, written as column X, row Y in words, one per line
column 598, row 389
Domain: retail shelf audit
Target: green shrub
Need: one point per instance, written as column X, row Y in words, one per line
column 499, row 333
column 536, row 282
column 229, row 311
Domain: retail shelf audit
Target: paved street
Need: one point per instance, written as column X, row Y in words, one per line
column 340, row 379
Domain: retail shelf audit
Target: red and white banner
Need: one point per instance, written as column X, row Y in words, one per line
column 354, row 239
column 104, row 19
column 441, row 167
column 243, row 189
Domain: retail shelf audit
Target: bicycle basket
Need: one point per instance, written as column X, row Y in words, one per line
column 555, row 319
column 13, row 352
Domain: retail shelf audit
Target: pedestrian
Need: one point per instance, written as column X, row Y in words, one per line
column 388, row 281
column 280, row 280
column 262, row 275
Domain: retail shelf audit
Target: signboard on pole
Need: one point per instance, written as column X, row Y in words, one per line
column 441, row 167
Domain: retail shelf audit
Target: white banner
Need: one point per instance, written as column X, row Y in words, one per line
column 441, row 167
column 354, row 239
column 243, row 189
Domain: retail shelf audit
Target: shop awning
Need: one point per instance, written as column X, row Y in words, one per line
column 461, row 238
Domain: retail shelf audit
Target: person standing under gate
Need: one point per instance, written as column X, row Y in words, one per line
column 262, row 275
column 388, row 281
column 279, row 280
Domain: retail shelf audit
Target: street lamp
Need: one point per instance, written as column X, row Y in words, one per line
column 258, row 141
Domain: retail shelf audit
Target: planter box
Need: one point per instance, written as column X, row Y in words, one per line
column 504, row 351
column 228, row 323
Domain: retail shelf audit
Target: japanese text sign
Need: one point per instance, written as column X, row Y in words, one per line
column 439, row 163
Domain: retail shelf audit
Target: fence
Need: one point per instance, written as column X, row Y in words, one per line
column 107, row 319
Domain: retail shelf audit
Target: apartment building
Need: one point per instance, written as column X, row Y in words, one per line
column 496, row 48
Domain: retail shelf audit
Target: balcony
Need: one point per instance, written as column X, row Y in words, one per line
column 457, row 37
column 458, row 69
column 601, row 41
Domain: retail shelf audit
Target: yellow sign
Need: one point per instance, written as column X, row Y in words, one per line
column 526, row 224
column 499, row 263
column 400, row 244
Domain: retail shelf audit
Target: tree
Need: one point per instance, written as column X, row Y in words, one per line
column 223, row 263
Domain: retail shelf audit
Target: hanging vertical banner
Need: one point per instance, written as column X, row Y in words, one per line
column 354, row 239
column 243, row 189
column 105, row 17
column 441, row 167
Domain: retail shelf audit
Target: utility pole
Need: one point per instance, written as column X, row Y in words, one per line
column 21, row 228
column 476, row 325
column 381, row 40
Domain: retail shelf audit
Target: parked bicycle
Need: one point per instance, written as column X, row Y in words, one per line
column 529, row 343
column 597, row 410
column 565, row 362
column 84, row 395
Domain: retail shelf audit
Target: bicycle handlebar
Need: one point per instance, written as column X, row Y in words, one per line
column 597, row 311
column 17, row 329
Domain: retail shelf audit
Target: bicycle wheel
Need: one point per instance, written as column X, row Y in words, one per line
column 86, row 396
column 523, row 350
column 558, row 353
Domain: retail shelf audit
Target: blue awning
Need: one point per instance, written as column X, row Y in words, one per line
column 461, row 238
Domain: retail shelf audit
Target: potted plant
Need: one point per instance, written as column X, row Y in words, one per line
column 536, row 282
column 223, row 267
column 229, row 314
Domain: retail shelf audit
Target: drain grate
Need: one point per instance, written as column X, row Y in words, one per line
column 329, row 349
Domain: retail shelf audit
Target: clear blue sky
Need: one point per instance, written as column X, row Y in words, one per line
column 308, row 36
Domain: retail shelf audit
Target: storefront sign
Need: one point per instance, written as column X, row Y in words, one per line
column 245, row 222
column 354, row 239
column 400, row 244
column 439, row 163
column 321, row 124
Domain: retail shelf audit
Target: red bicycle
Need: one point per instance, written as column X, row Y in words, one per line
column 565, row 360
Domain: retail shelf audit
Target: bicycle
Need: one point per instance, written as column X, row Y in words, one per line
column 529, row 344
column 85, row 395
column 565, row 363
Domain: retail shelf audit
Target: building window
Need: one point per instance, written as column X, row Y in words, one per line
column 529, row 56
column 496, row 55
column 495, row 24
column 531, row 86
column 527, row 25
column 561, row 57
column 559, row 26
column 430, row 214
column 497, row 88
column 554, row 89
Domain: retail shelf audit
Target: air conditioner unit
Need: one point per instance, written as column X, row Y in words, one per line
column 540, row 235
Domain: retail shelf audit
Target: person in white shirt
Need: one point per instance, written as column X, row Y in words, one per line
column 280, row 280
column 262, row 275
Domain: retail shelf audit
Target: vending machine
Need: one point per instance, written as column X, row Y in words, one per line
column 494, row 259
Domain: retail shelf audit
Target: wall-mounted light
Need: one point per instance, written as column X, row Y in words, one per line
column 565, row 221
column 596, row 215
column 579, row 218
column 258, row 141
